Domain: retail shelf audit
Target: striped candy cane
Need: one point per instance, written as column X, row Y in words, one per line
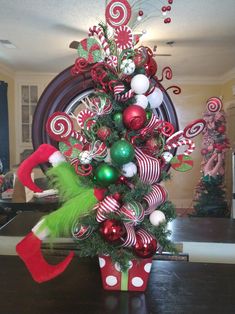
column 98, row 31
column 189, row 143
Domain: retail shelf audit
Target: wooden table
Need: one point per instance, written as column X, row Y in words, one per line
column 174, row 288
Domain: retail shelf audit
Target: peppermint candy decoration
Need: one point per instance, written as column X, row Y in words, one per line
column 86, row 119
column 155, row 198
column 118, row 13
column 90, row 50
column 59, row 126
column 107, row 206
column 194, row 128
column 189, row 143
column 182, row 163
column 71, row 148
column 112, row 61
column 132, row 213
column 123, row 37
column 214, row 104
column 98, row 31
column 99, row 150
column 148, row 167
column 80, row 232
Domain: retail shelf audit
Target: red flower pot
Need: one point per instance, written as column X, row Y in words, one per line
column 134, row 279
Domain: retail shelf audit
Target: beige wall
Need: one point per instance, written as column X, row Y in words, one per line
column 11, row 112
column 189, row 105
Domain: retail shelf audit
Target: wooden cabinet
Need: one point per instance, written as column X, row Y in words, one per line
column 28, row 89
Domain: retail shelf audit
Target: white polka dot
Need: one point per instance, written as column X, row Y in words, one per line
column 137, row 282
column 117, row 266
column 130, row 264
column 147, row 267
column 101, row 262
column 111, row 281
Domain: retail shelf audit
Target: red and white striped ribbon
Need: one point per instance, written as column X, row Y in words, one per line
column 107, row 206
column 149, row 128
column 155, row 198
column 148, row 167
column 189, row 143
column 125, row 96
column 119, row 88
column 130, row 236
column 144, row 236
column 98, row 31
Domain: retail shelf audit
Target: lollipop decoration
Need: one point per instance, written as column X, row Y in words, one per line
column 214, row 104
column 118, row 13
column 59, row 126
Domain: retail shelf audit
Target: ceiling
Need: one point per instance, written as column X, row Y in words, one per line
column 41, row 30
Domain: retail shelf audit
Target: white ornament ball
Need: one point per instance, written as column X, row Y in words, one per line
column 85, row 157
column 142, row 101
column 127, row 66
column 155, row 98
column 129, row 169
column 157, row 217
column 140, row 84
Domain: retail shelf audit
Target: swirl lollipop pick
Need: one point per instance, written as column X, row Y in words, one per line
column 118, row 13
column 59, row 126
column 214, row 104
column 194, row 128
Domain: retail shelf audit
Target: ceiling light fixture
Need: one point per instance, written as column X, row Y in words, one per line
column 7, row 44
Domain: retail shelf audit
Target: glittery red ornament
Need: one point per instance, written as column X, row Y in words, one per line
column 221, row 129
column 103, row 132
column 134, row 117
column 151, row 146
column 204, row 151
column 151, row 67
column 145, row 250
column 112, row 230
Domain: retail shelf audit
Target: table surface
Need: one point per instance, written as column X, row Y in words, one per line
column 218, row 230
column 174, row 288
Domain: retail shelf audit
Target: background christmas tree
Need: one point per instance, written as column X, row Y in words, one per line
column 210, row 196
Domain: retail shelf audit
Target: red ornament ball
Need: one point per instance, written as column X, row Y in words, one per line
column 221, row 129
column 117, row 196
column 204, row 151
column 141, row 13
column 151, row 146
column 112, row 230
column 151, row 67
column 145, row 250
column 134, row 117
column 103, row 132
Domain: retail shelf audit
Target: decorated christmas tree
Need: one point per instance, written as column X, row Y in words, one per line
column 210, row 197
column 111, row 159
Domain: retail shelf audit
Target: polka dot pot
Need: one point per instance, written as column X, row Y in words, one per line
column 134, row 279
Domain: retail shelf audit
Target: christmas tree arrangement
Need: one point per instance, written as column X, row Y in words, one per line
column 210, row 198
column 109, row 173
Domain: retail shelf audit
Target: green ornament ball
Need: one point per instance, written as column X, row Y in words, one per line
column 105, row 175
column 148, row 115
column 117, row 118
column 122, row 152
